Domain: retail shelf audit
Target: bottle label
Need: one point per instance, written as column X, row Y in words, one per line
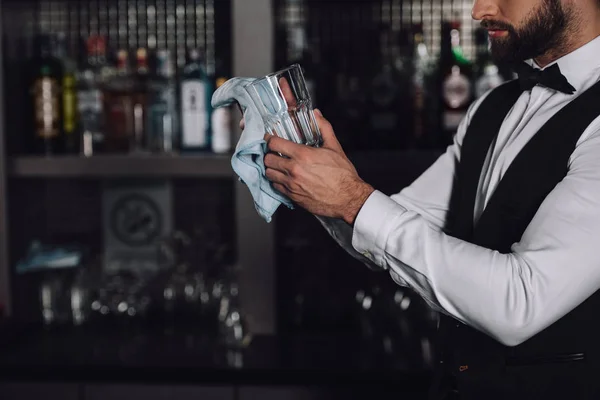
column 89, row 105
column 120, row 117
column 156, row 112
column 221, row 124
column 89, row 101
column 161, row 127
column 69, row 105
column 193, row 114
column 457, row 90
column 47, row 101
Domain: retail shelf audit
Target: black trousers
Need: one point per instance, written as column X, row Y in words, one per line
column 572, row 381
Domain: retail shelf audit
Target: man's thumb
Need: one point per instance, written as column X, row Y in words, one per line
column 329, row 139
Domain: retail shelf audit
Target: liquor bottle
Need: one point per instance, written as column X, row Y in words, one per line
column 139, row 98
column 405, row 104
column 351, row 115
column 118, row 103
column 46, row 94
column 390, row 105
column 162, row 125
column 222, row 132
column 195, row 101
column 482, row 52
column 487, row 74
column 125, row 102
column 90, row 99
column 300, row 54
column 310, row 71
column 383, row 93
column 210, row 89
column 455, row 72
column 69, row 99
column 421, row 73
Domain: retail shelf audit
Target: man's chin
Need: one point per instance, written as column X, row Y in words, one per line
column 501, row 57
column 501, row 52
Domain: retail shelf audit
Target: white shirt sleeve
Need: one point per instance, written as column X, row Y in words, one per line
column 510, row 297
column 342, row 233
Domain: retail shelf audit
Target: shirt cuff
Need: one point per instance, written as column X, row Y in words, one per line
column 372, row 226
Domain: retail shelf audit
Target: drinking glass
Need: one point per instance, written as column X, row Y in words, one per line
column 285, row 106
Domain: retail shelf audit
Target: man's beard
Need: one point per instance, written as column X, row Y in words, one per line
column 543, row 31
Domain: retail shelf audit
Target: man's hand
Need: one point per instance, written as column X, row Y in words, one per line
column 321, row 180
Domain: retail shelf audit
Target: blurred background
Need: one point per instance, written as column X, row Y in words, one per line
column 132, row 260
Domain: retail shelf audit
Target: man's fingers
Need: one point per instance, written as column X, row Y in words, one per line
column 283, row 146
column 276, row 177
column 282, row 189
column 287, row 92
column 279, row 180
column 329, row 139
column 278, row 163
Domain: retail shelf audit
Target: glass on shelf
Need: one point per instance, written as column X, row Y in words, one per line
column 54, row 301
column 185, row 291
column 192, row 291
column 80, row 298
column 233, row 329
column 121, row 296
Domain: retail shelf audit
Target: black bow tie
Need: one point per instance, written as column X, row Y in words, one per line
column 550, row 77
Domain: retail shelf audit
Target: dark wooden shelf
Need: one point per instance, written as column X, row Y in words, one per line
column 126, row 165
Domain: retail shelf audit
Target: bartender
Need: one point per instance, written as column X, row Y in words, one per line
column 501, row 234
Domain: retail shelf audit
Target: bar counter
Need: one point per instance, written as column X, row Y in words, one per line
column 143, row 357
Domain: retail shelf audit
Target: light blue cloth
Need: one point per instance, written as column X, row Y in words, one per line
column 248, row 158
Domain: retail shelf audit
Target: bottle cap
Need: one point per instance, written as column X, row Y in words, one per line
column 141, row 56
column 194, row 54
column 122, row 59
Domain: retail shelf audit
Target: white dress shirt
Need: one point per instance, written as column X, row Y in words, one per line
column 556, row 265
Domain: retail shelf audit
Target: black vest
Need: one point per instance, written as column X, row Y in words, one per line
column 557, row 361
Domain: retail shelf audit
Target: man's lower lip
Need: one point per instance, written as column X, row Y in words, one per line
column 497, row 33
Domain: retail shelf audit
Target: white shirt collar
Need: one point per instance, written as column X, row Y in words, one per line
column 577, row 65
